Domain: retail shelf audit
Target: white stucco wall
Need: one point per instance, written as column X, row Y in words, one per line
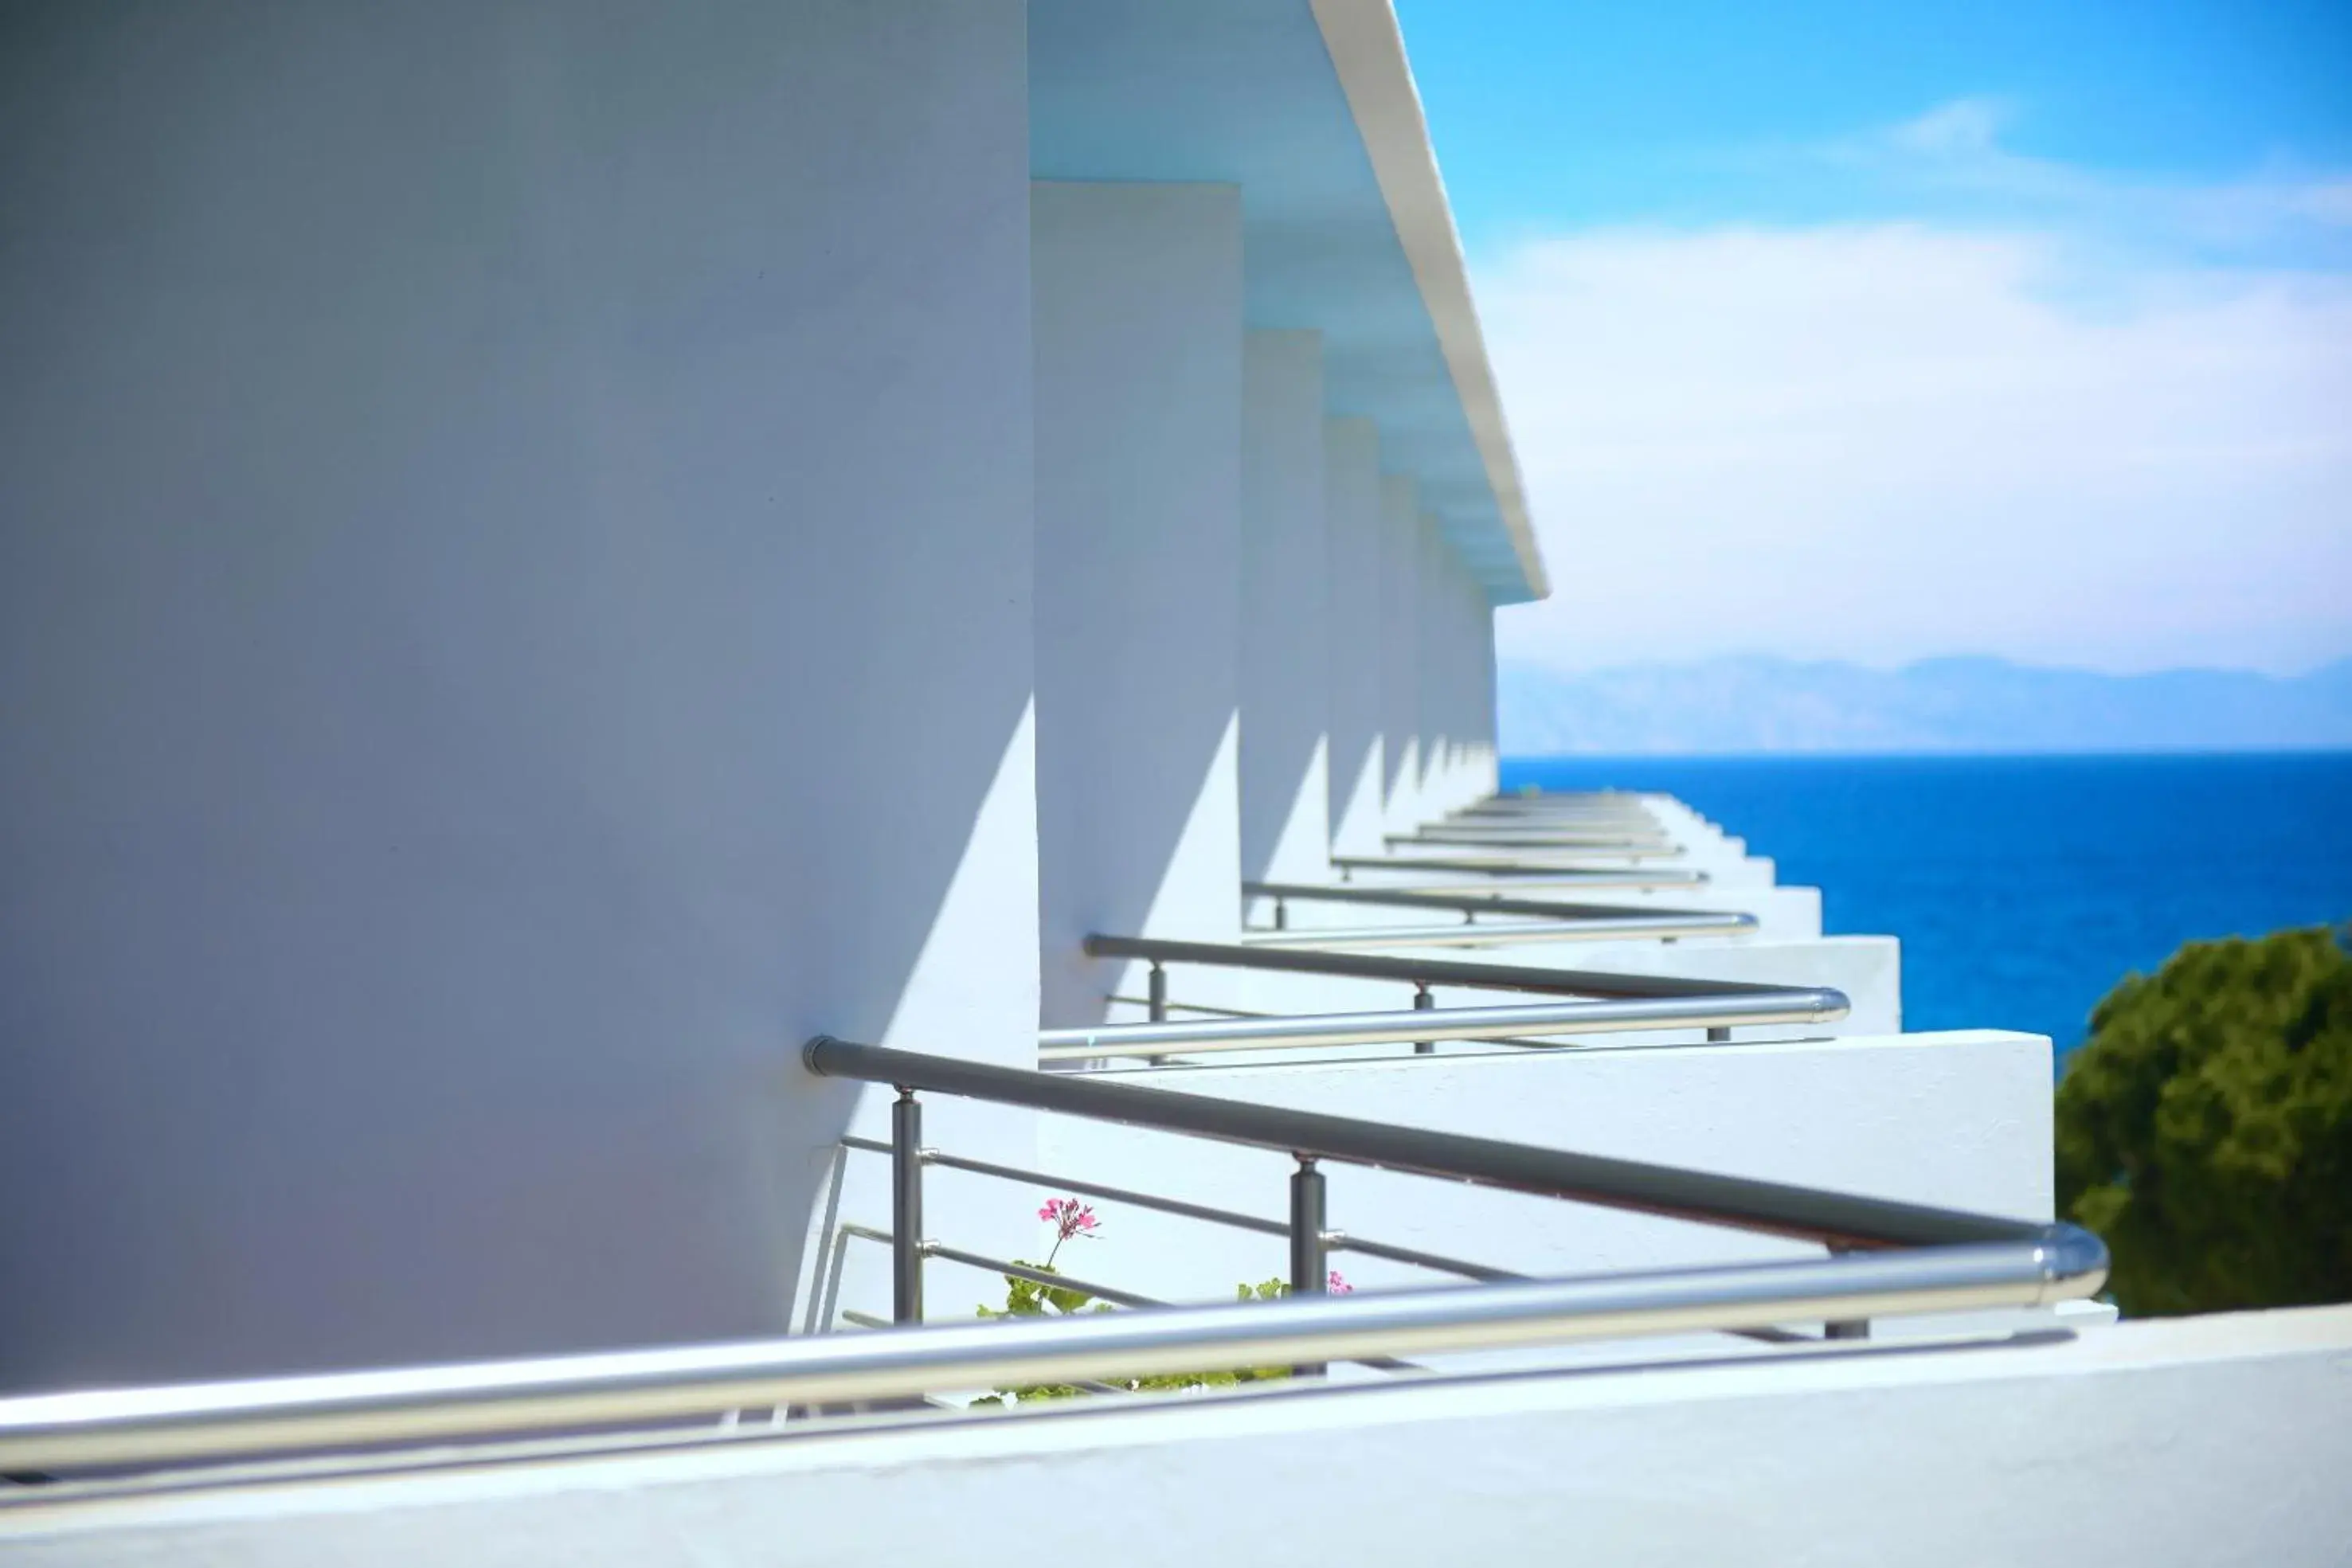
column 1138, row 293
column 1478, row 691
column 514, row 578
column 1285, row 628
column 1355, row 543
column 1467, row 689
column 1454, row 656
column 1401, row 805
column 1436, row 644
column 2201, row 1440
column 1442, row 635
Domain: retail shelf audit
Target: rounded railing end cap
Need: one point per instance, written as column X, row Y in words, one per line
column 2071, row 1252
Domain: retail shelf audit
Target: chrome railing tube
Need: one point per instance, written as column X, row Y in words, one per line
column 1493, row 934
column 1309, row 1210
column 1793, row 1006
column 1601, row 846
column 1202, row 1211
column 1052, row 1279
column 1479, row 901
column 60, row 1432
column 1419, row 971
column 1506, row 883
column 1564, row 871
column 906, row 1207
column 1410, row 852
column 1527, row 821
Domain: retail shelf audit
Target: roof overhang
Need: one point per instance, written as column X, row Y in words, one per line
column 1309, row 107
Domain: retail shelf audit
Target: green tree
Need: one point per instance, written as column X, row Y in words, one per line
column 2205, row 1129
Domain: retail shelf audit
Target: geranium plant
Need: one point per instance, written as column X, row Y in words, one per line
column 1024, row 1298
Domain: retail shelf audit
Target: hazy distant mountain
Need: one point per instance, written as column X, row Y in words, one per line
column 1937, row 705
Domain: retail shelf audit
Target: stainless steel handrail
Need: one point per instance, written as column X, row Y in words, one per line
column 1201, row 1211
column 1294, row 1031
column 1582, row 822
column 1432, row 971
column 1497, row 934
column 1597, row 846
column 1565, row 872
column 1412, row 851
column 1477, row 884
column 1637, row 818
column 1837, row 1219
column 1687, row 922
column 482, row 1400
column 1634, row 819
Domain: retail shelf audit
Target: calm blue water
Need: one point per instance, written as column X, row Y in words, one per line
column 2024, row 888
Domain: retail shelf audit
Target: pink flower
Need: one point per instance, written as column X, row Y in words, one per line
column 1338, row 1286
column 1068, row 1216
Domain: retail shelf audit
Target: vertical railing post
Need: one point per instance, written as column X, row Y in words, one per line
column 1155, row 996
column 1423, row 1002
column 1718, row 1032
column 1281, row 915
column 907, row 1208
column 1845, row 1328
column 1309, row 1271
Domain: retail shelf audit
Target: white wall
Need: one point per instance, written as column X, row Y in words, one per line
column 1489, row 733
column 1285, row 628
column 1401, row 805
column 514, row 584
column 1137, row 295
column 1435, row 645
column 1478, row 691
column 1355, row 539
column 2213, row 1441
column 1467, row 616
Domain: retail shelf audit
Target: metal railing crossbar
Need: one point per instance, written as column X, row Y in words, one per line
column 1494, row 934
column 1425, row 971
column 1565, row 871
column 1403, row 896
column 1516, row 1024
column 1227, row 1217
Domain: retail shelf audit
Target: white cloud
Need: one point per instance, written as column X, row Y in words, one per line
column 1953, row 158
column 1965, row 127
column 1884, row 441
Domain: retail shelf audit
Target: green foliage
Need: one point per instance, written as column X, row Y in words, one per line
column 2205, row 1130
column 1029, row 1299
column 1032, row 1298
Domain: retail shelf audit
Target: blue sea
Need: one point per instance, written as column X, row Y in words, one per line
column 2024, row 888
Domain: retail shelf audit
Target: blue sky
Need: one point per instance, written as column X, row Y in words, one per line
column 1882, row 331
